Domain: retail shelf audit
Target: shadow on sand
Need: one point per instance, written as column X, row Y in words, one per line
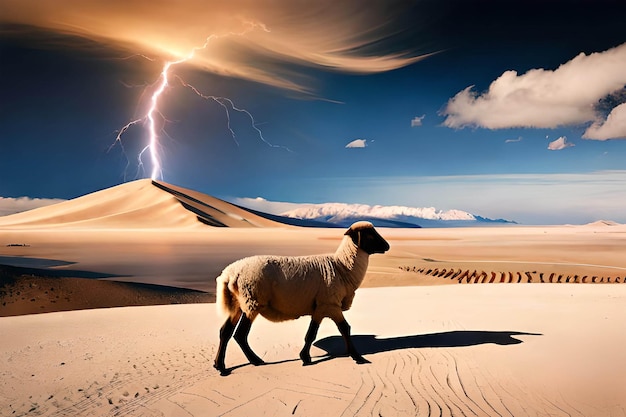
column 14, row 268
column 369, row 344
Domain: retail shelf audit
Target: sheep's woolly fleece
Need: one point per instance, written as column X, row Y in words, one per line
column 284, row 288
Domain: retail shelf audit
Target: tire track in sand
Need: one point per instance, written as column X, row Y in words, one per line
column 445, row 383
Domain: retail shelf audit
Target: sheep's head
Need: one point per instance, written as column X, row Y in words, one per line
column 367, row 238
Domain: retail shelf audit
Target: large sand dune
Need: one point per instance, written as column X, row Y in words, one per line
column 535, row 348
column 136, row 205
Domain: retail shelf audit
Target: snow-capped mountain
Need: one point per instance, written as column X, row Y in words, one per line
column 342, row 214
column 334, row 212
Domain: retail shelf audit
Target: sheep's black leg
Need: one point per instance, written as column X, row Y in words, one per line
column 344, row 329
column 226, row 333
column 241, row 336
column 305, row 354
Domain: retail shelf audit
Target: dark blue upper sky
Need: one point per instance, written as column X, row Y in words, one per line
column 64, row 95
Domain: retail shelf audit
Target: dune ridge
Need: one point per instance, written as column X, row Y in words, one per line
column 138, row 204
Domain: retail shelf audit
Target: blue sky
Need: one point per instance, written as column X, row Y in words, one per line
column 502, row 116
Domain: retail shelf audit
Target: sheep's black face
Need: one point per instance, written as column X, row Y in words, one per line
column 367, row 238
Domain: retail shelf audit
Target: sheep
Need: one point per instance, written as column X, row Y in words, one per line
column 283, row 288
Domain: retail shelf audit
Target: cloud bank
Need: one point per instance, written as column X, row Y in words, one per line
column 250, row 39
column 540, row 98
column 10, row 205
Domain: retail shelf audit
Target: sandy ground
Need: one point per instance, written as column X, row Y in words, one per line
column 442, row 340
column 193, row 258
column 485, row 350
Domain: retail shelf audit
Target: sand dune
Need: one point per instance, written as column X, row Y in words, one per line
column 136, row 205
column 608, row 223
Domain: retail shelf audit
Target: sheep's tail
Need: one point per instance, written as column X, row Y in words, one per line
column 226, row 303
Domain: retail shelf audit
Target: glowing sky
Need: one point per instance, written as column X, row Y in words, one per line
column 484, row 106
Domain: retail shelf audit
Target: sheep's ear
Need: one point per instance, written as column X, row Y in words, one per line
column 354, row 235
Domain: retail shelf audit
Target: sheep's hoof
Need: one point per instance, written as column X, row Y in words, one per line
column 257, row 362
column 361, row 360
column 222, row 369
column 306, row 359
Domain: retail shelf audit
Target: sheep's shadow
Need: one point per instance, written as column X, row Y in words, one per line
column 369, row 344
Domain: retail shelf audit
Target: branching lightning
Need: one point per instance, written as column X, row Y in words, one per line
column 163, row 82
column 221, row 101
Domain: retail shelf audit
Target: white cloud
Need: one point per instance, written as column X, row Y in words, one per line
column 612, row 128
column 10, row 205
column 543, row 98
column 560, row 144
column 357, row 143
column 417, row 121
column 266, row 206
column 519, row 139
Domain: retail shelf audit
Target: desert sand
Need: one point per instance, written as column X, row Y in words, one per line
column 442, row 339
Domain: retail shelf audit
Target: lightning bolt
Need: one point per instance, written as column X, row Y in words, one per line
column 150, row 118
column 221, row 101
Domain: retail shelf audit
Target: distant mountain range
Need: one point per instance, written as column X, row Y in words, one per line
column 343, row 215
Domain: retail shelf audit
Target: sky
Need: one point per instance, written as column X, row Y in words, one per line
column 505, row 109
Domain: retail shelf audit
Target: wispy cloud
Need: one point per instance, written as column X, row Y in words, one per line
column 417, row 121
column 543, row 98
column 560, row 144
column 324, row 33
column 10, row 205
column 357, row 143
